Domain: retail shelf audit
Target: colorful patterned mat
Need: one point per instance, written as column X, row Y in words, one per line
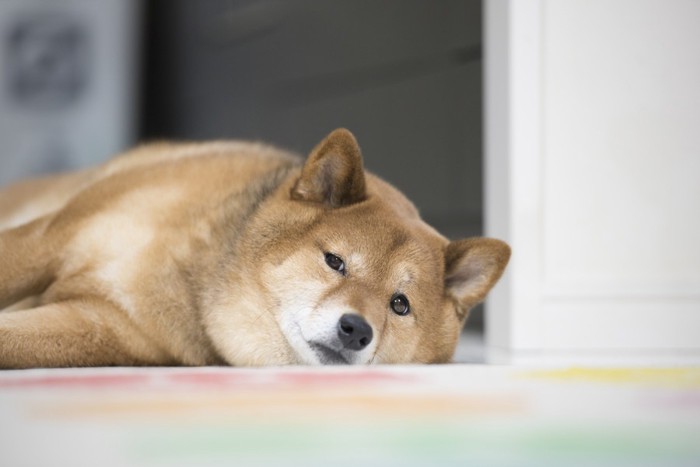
column 380, row 416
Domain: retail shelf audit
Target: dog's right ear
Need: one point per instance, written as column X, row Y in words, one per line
column 333, row 173
column 473, row 266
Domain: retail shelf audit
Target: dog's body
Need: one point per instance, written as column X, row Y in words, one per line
column 230, row 253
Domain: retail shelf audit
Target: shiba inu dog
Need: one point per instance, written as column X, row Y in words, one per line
column 230, row 253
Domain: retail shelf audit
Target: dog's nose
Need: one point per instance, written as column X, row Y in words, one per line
column 354, row 332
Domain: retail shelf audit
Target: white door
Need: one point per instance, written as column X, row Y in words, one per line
column 593, row 176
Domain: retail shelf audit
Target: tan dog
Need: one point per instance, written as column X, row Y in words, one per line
column 230, row 253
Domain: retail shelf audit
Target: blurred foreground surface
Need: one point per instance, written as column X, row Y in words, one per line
column 404, row 415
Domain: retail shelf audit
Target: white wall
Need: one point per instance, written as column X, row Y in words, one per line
column 593, row 175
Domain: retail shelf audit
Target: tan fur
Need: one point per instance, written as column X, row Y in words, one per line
column 213, row 253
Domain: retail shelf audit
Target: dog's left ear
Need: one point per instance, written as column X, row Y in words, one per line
column 472, row 268
column 333, row 173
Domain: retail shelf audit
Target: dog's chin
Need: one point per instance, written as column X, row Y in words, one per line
column 329, row 356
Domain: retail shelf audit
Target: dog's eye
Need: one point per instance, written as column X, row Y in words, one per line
column 335, row 262
column 399, row 303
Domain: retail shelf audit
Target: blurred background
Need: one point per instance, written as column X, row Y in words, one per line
column 69, row 83
column 404, row 76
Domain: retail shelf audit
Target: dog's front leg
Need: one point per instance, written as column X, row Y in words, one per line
column 27, row 260
column 86, row 332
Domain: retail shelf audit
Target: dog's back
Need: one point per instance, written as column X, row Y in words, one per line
column 28, row 200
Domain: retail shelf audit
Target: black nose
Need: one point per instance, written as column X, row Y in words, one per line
column 354, row 332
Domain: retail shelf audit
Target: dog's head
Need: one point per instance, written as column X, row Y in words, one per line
column 353, row 275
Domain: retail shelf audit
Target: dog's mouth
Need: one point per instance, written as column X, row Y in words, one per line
column 327, row 355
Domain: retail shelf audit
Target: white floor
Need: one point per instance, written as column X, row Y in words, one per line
column 416, row 415
column 472, row 349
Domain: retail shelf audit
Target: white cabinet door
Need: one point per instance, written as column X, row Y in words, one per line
column 593, row 175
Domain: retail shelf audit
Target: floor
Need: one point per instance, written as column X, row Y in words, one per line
column 458, row 414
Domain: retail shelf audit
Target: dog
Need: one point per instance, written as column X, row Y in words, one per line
column 231, row 253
